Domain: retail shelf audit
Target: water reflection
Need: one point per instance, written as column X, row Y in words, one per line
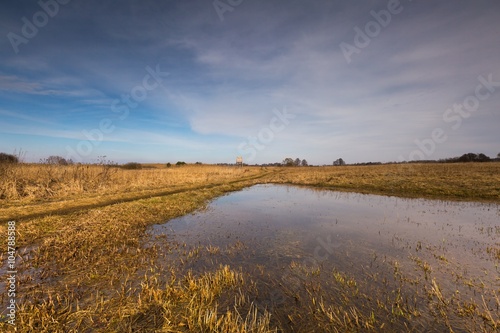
column 282, row 236
column 305, row 222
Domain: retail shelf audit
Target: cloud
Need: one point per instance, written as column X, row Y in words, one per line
column 17, row 115
column 227, row 77
column 50, row 87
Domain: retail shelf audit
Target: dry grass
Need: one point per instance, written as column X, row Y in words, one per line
column 31, row 190
column 404, row 302
column 34, row 183
column 24, row 183
column 87, row 270
column 457, row 181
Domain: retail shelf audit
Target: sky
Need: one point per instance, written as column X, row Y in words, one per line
column 209, row 80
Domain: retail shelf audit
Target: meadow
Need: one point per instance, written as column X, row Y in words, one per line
column 447, row 181
column 83, row 267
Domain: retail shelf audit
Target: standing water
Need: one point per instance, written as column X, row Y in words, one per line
column 415, row 263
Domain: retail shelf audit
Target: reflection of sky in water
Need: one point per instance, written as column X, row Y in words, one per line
column 283, row 234
column 278, row 224
column 264, row 210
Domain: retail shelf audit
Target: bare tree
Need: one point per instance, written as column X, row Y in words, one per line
column 304, row 163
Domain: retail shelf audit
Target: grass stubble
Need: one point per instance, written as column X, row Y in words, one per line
column 83, row 266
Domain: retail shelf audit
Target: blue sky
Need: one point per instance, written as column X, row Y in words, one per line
column 163, row 81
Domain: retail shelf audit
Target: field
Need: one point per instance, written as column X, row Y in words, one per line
column 82, row 266
column 464, row 181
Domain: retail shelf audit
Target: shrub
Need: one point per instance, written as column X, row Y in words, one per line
column 132, row 166
column 8, row 158
column 56, row 160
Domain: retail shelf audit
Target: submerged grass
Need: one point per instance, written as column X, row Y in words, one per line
column 86, row 269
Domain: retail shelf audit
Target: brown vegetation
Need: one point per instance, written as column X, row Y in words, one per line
column 29, row 190
column 83, row 266
column 458, row 181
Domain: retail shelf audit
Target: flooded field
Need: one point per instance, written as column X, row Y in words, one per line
column 334, row 260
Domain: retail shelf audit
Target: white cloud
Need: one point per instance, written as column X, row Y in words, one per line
column 227, row 77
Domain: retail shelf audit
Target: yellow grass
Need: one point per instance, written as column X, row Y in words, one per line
column 35, row 182
column 88, row 271
column 457, row 181
column 29, row 190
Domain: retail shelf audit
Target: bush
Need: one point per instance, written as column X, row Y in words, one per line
column 8, row 158
column 132, row 166
column 169, row 165
column 56, row 160
column 180, row 163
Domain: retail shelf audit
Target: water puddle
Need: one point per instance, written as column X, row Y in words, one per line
column 300, row 243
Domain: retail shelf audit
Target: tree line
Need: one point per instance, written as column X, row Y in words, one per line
column 288, row 162
column 297, row 162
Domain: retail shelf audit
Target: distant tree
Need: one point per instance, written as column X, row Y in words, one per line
column 199, row 163
column 288, row 161
column 339, row 162
column 296, row 162
column 56, row 160
column 169, row 165
column 304, row 163
column 8, row 158
column 179, row 163
column 498, row 155
column 132, row 166
column 471, row 157
column 483, row 158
